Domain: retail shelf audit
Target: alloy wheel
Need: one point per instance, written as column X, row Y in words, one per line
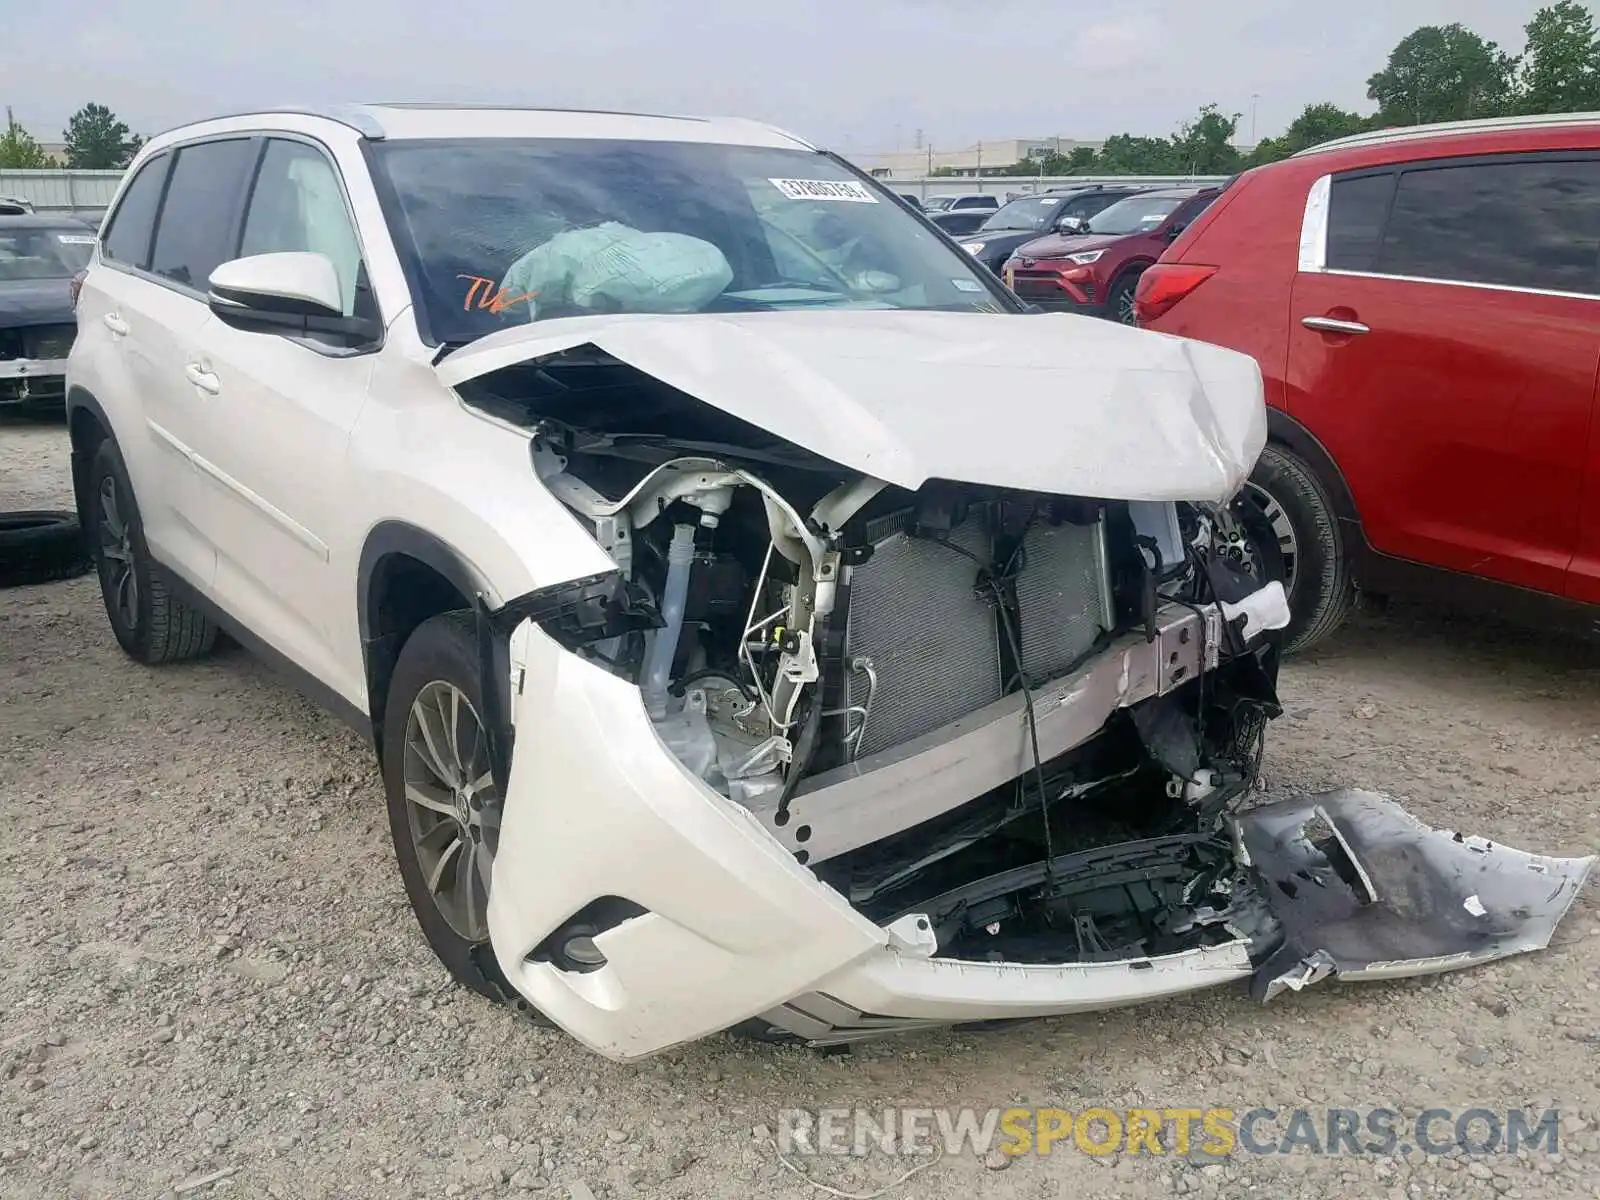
column 1282, row 529
column 453, row 806
column 1125, row 313
column 119, row 581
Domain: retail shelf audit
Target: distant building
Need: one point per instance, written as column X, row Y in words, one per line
column 968, row 160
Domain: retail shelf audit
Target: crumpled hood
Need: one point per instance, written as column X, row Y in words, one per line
column 1046, row 402
column 36, row 302
column 1057, row 245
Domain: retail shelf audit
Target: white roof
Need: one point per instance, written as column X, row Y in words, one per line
column 398, row 121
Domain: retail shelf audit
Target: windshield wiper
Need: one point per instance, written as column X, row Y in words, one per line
column 446, row 349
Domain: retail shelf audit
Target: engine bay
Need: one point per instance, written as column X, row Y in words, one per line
column 800, row 632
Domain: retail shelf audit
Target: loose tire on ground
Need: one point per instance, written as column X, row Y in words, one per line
column 40, row 547
column 151, row 624
column 437, row 680
column 1321, row 590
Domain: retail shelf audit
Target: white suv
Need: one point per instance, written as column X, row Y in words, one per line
column 760, row 619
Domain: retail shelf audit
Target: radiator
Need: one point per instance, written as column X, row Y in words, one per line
column 1063, row 597
column 916, row 613
column 934, row 640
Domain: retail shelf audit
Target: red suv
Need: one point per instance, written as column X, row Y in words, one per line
column 1425, row 307
column 1095, row 271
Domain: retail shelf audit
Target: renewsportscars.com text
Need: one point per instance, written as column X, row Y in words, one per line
column 1213, row 1131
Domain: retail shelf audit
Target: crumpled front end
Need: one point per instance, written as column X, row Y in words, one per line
column 827, row 756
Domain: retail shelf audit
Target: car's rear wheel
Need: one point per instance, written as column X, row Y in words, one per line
column 444, row 806
column 1119, row 301
column 1297, row 514
column 151, row 624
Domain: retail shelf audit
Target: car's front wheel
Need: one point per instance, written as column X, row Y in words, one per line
column 1119, row 301
column 1296, row 512
column 150, row 623
column 444, row 806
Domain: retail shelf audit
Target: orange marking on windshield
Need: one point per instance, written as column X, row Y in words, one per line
column 483, row 294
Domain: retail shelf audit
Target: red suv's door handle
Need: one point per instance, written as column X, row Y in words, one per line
column 1333, row 325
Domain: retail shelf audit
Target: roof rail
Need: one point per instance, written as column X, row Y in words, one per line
column 352, row 116
column 1405, row 133
column 474, row 106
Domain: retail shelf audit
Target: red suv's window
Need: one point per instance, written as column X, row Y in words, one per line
column 1357, row 208
column 1533, row 223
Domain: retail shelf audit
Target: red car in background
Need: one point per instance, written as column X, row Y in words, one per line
column 1425, row 307
column 1095, row 271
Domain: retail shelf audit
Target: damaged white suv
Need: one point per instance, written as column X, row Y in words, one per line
column 762, row 620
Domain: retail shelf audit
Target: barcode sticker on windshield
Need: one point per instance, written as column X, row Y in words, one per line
column 75, row 239
column 847, row 190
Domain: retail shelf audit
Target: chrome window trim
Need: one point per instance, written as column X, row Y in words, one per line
column 1464, row 283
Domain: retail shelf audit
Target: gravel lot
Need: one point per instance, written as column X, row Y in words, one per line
column 209, row 964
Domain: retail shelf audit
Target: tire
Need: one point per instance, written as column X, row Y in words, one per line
column 40, row 547
column 1119, row 300
column 1298, row 508
column 151, row 624
column 438, row 668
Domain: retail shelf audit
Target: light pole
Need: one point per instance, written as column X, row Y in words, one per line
column 1254, row 97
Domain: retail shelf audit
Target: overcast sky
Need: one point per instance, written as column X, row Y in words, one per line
column 853, row 74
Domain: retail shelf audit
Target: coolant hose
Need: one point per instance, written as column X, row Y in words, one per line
column 664, row 647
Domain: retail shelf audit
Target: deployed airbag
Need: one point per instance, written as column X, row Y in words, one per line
column 614, row 268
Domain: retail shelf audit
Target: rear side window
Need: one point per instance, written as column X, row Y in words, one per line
column 195, row 234
column 1533, row 224
column 1357, row 207
column 127, row 237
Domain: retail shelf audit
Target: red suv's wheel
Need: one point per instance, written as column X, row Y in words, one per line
column 1119, row 301
column 1299, row 513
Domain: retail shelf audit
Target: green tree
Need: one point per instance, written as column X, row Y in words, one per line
column 19, row 151
column 96, row 140
column 1205, row 146
column 1080, row 161
column 1124, row 154
column 1561, row 61
column 1442, row 73
column 1317, row 123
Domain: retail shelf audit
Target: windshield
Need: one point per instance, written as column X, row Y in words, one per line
column 39, row 252
column 499, row 232
column 1136, row 214
column 1031, row 213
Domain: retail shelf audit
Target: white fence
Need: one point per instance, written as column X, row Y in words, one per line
column 1006, row 187
column 62, row 191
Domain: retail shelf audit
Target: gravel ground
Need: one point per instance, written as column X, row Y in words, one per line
column 210, row 965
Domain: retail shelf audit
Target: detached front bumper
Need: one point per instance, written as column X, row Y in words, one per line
column 723, row 924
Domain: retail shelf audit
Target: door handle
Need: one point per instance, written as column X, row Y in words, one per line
column 1333, row 325
column 206, row 381
column 116, row 324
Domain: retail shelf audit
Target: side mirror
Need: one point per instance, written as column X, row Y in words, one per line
column 291, row 292
column 1174, row 230
column 1071, row 225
